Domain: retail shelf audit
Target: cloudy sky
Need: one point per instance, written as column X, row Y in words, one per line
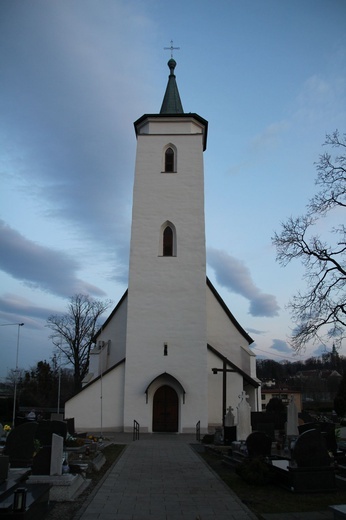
column 269, row 77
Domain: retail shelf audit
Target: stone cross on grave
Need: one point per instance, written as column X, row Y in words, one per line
column 171, row 48
column 244, row 417
column 243, row 396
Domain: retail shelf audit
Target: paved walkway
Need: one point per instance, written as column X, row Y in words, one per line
column 160, row 477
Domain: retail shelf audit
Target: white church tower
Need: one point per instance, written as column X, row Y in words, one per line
column 171, row 354
column 166, row 318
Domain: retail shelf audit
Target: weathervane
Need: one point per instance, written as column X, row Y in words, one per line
column 171, row 48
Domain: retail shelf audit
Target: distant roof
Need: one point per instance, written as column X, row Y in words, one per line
column 171, row 102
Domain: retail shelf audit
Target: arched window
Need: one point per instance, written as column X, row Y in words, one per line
column 169, row 160
column 167, row 241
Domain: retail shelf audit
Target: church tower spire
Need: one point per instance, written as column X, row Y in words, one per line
column 166, row 306
column 171, row 102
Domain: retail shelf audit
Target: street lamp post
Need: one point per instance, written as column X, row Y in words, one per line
column 16, row 377
column 16, row 371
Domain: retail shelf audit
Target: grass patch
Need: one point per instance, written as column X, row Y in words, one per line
column 270, row 498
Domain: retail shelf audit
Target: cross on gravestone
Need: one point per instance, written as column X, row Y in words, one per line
column 243, row 396
column 171, row 48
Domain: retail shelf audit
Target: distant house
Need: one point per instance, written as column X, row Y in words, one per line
column 318, row 385
column 285, row 395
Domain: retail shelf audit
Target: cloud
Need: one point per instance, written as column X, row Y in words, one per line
column 68, row 136
column 39, row 266
column 319, row 351
column 14, row 308
column 236, row 277
column 269, row 138
column 256, row 331
column 281, row 346
column 320, row 99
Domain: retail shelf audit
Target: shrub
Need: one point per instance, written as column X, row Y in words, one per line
column 255, row 471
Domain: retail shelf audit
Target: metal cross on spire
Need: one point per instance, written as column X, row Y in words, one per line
column 171, row 48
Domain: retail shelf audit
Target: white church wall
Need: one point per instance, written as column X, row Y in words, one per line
column 167, row 302
column 225, row 337
column 85, row 407
column 248, row 359
column 110, row 347
column 115, row 331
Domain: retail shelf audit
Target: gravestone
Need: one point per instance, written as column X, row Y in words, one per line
column 292, row 419
column 310, row 450
column 258, row 445
column 244, row 418
column 229, row 417
column 57, row 417
column 4, row 466
column 47, row 428
column 327, row 430
column 41, row 461
column 20, row 444
column 70, row 426
column 56, row 455
column 230, row 430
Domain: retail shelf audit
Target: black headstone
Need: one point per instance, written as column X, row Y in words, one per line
column 327, row 430
column 41, row 461
column 47, row 428
column 258, row 445
column 70, row 426
column 20, row 444
column 310, row 450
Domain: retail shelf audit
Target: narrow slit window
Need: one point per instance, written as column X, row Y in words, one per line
column 169, row 160
column 168, row 241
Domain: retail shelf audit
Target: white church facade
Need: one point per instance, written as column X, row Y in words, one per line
column 154, row 356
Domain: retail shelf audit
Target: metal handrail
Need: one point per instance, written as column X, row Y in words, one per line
column 198, row 431
column 135, row 430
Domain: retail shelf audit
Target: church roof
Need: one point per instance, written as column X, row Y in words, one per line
column 171, row 102
column 250, row 380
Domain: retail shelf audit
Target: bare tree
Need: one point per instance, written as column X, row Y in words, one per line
column 73, row 332
column 320, row 312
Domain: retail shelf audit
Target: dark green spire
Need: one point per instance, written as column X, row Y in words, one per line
column 171, row 103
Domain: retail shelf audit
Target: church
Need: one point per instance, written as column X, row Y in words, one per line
column 171, row 354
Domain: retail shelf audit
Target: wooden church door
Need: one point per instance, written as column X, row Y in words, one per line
column 165, row 410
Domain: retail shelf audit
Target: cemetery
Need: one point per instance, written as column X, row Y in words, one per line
column 44, row 461
column 297, row 453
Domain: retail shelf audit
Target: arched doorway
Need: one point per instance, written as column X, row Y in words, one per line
column 165, row 410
